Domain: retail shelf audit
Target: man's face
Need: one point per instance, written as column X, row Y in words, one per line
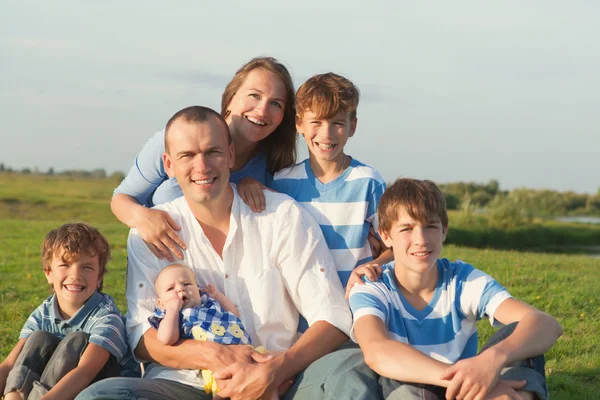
column 199, row 158
column 416, row 246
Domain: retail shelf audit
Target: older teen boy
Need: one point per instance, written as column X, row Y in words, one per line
column 340, row 192
column 417, row 324
column 77, row 335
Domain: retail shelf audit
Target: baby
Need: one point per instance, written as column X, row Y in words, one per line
column 187, row 311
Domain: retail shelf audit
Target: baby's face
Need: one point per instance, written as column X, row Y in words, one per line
column 178, row 284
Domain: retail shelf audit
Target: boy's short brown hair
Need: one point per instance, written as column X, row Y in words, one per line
column 70, row 240
column 422, row 199
column 326, row 95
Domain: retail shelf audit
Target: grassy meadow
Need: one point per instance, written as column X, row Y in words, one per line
column 566, row 286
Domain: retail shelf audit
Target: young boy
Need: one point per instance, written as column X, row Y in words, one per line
column 340, row 192
column 77, row 335
column 417, row 324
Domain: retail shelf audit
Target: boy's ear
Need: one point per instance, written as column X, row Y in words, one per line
column 48, row 277
column 168, row 165
column 444, row 233
column 299, row 127
column 385, row 238
column 353, row 124
column 160, row 304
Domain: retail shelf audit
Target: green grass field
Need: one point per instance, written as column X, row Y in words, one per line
column 566, row 286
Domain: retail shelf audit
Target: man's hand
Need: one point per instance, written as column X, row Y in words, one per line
column 237, row 353
column 372, row 271
column 246, row 381
column 474, row 377
column 251, row 192
column 157, row 229
column 507, row 390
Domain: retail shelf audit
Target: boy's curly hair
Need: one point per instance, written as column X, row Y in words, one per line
column 70, row 240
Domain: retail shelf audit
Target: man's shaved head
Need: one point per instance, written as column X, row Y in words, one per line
column 196, row 114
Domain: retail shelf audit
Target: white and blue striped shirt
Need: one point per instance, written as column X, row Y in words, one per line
column 344, row 208
column 446, row 328
column 99, row 317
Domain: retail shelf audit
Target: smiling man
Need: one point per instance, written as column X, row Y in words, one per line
column 273, row 266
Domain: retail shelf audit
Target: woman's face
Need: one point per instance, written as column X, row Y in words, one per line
column 257, row 108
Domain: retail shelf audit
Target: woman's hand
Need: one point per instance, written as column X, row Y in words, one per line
column 157, row 229
column 251, row 192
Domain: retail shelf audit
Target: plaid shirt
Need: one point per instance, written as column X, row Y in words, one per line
column 217, row 325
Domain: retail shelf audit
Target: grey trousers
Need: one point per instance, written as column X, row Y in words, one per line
column 46, row 359
column 532, row 370
column 342, row 374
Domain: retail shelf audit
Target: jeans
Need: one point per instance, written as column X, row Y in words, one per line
column 342, row 374
column 531, row 370
column 46, row 359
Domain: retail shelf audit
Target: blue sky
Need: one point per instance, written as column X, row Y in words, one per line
column 451, row 91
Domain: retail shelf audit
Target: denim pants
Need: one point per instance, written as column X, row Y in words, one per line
column 342, row 374
column 46, row 359
column 531, row 370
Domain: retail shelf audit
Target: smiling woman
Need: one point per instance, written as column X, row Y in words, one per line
column 259, row 108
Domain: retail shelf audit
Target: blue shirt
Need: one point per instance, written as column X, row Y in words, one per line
column 216, row 325
column 148, row 183
column 99, row 317
column 344, row 208
column 446, row 328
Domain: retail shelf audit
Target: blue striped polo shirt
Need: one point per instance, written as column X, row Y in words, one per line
column 446, row 328
column 99, row 317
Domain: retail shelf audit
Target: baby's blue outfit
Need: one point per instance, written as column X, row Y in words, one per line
column 221, row 327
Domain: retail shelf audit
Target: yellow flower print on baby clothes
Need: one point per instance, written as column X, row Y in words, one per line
column 199, row 334
column 217, row 329
column 235, row 330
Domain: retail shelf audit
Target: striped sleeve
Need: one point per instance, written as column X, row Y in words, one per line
column 481, row 295
column 33, row 323
column 108, row 332
column 368, row 299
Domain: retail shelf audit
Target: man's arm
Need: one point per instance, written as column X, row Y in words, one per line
column 92, row 361
column 394, row 359
column 9, row 363
column 194, row 354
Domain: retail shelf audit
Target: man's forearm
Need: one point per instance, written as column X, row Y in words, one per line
column 184, row 354
column 318, row 340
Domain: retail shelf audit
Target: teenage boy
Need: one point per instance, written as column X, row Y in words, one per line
column 417, row 324
column 340, row 192
column 77, row 335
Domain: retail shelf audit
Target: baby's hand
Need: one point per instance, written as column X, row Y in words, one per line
column 251, row 191
column 372, row 271
column 211, row 290
column 174, row 304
